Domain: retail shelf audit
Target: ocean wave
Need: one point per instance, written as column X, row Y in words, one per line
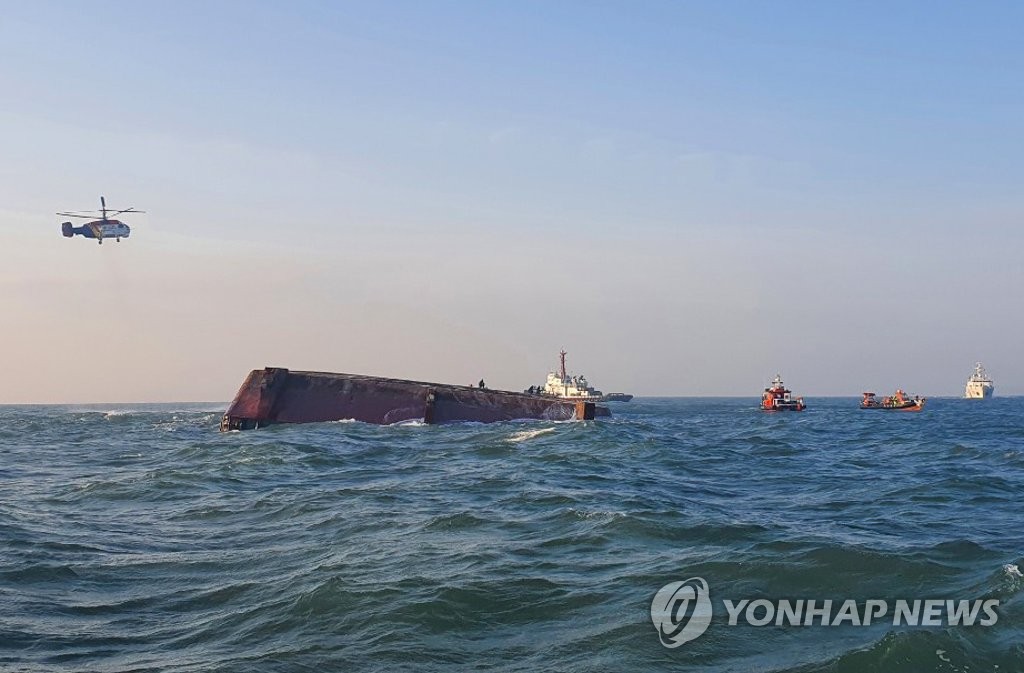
column 925, row 651
column 150, row 541
column 596, row 515
column 526, row 435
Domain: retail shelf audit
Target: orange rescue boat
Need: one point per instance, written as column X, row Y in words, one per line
column 899, row 401
column 779, row 398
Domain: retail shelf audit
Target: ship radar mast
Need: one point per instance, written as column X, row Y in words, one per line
column 561, row 358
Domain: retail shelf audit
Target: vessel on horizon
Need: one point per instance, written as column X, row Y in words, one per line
column 565, row 387
column 898, row 401
column 979, row 386
column 778, row 398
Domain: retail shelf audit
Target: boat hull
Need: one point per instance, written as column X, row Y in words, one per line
column 913, row 406
column 792, row 406
column 276, row 395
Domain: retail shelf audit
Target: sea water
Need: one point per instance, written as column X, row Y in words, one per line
column 139, row 538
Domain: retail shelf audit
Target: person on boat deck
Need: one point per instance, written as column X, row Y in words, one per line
column 482, row 386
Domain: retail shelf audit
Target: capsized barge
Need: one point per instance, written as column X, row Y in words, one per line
column 277, row 395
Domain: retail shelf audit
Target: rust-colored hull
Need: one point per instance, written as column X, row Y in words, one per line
column 275, row 395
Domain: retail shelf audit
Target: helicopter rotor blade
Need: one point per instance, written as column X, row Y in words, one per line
column 103, row 213
column 84, row 217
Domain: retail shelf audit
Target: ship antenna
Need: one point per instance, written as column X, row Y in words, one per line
column 561, row 357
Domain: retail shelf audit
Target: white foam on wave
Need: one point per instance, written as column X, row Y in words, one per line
column 525, row 435
column 1009, row 579
column 610, row 515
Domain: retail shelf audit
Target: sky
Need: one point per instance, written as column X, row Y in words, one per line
column 688, row 197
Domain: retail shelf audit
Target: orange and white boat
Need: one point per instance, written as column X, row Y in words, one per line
column 899, row 401
column 779, row 398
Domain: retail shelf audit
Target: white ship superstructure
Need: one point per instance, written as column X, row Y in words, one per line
column 560, row 384
column 979, row 386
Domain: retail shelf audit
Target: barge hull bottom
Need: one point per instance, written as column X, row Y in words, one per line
column 277, row 395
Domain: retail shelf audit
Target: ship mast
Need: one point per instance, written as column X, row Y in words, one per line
column 561, row 357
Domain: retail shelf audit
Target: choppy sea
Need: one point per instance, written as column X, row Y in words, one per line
column 139, row 538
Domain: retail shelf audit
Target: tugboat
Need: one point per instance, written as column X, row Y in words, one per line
column 979, row 386
column 899, row 401
column 778, row 398
column 559, row 384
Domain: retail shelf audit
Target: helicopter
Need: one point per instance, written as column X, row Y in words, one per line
column 101, row 228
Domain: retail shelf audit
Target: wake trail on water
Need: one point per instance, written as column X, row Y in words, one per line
column 526, row 435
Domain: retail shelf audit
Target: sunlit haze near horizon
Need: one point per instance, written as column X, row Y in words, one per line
column 687, row 197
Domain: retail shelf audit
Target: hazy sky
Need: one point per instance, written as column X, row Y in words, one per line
column 688, row 197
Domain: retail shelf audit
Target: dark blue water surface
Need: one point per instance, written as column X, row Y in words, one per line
column 139, row 538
